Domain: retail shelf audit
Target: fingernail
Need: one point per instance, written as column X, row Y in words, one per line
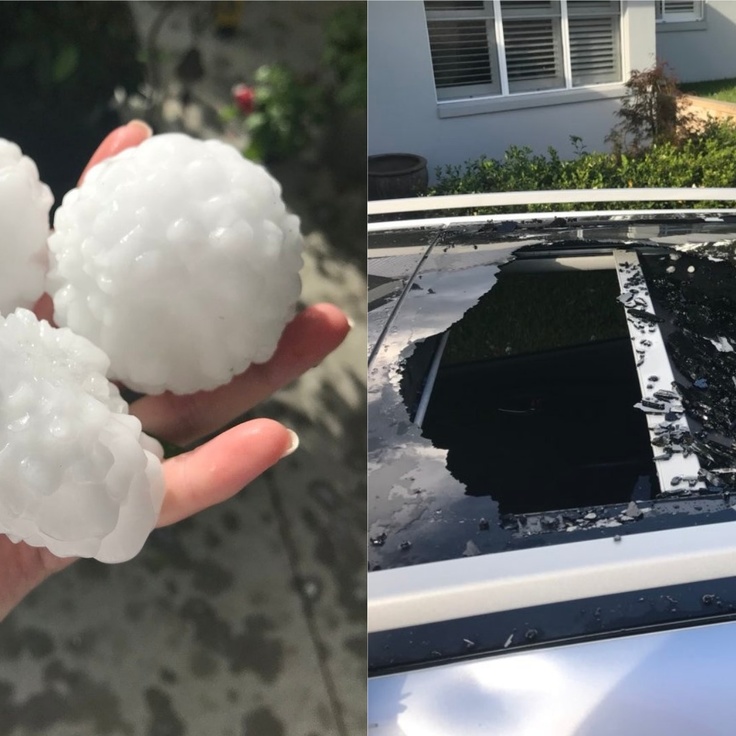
column 141, row 124
column 351, row 322
column 294, row 443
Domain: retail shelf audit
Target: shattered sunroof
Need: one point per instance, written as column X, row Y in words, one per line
column 664, row 443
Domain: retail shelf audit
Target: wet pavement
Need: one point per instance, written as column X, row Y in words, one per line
column 249, row 618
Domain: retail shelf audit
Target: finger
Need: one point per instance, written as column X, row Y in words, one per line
column 312, row 335
column 219, row 469
column 126, row 136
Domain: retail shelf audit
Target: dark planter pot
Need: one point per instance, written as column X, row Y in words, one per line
column 396, row 176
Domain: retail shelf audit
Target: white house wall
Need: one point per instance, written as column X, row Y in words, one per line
column 402, row 104
column 701, row 51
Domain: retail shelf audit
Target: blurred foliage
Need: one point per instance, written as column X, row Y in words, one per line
column 291, row 108
column 285, row 110
column 346, row 54
column 65, row 59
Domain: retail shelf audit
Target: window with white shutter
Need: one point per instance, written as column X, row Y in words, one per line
column 679, row 11
column 484, row 48
column 462, row 41
column 532, row 42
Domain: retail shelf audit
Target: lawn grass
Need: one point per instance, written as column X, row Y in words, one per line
column 715, row 89
column 532, row 312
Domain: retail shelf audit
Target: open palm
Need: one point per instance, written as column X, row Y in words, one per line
column 219, row 468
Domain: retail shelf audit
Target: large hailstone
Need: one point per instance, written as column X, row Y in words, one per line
column 78, row 475
column 24, row 223
column 178, row 258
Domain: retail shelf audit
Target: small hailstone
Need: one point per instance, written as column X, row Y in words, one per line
column 24, row 228
column 177, row 258
column 78, row 475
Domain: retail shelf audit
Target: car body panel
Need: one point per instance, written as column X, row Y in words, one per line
column 675, row 682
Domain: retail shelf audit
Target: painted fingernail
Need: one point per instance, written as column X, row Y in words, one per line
column 141, row 124
column 294, row 443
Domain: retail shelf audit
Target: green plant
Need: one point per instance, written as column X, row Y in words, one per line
column 346, row 55
column 650, row 114
column 284, row 112
column 716, row 89
column 705, row 159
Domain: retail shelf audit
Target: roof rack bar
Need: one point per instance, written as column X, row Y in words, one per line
column 431, row 378
column 374, row 227
column 408, row 282
column 559, row 196
column 505, row 581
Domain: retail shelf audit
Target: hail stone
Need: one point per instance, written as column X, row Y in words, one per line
column 24, row 223
column 79, row 476
column 179, row 259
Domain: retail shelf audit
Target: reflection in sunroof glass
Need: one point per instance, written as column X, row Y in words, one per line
column 534, row 312
column 534, row 399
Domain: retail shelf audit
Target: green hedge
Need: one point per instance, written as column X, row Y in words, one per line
column 707, row 159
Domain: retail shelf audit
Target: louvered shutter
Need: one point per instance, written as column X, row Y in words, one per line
column 674, row 11
column 595, row 42
column 533, row 44
column 461, row 41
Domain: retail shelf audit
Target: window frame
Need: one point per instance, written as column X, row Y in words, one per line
column 662, row 16
column 452, row 106
column 675, row 24
column 491, row 88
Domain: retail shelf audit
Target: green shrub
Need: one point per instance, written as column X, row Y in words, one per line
column 280, row 126
column 703, row 159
